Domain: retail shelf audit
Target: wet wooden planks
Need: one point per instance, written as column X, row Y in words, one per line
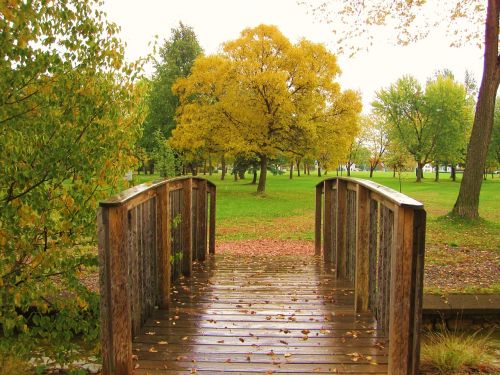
column 261, row 315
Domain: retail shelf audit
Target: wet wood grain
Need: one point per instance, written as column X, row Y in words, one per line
column 261, row 315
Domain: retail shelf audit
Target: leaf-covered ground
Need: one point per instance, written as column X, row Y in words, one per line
column 450, row 269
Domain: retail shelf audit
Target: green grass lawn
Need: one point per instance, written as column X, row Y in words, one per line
column 286, row 211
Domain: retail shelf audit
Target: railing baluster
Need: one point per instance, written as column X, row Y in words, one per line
column 116, row 324
column 362, row 244
column 317, row 220
column 341, row 262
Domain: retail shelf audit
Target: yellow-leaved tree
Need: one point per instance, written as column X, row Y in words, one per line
column 266, row 96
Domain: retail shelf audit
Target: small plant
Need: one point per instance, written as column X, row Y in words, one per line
column 448, row 352
column 176, row 221
column 177, row 257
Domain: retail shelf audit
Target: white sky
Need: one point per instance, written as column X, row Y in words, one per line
column 217, row 21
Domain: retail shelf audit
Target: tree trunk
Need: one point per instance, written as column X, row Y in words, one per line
column 453, row 174
column 291, row 170
column 210, row 167
column 372, row 168
column 308, row 170
column 241, row 174
column 436, row 179
column 420, row 171
column 261, row 188
column 319, row 170
column 305, row 168
column 348, row 167
column 467, row 204
column 254, row 180
column 205, row 167
column 235, row 175
column 394, row 172
column 298, row 168
column 223, row 167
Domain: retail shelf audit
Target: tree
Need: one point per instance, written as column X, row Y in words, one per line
column 69, row 116
column 165, row 159
column 376, row 139
column 493, row 159
column 411, row 21
column 176, row 58
column 358, row 154
column 418, row 118
column 264, row 89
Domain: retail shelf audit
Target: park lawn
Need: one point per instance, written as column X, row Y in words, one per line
column 286, row 211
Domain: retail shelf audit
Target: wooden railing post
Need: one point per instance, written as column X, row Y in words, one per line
column 406, row 300
column 116, row 324
column 341, row 261
column 317, row 221
column 201, row 229
column 213, row 198
column 163, row 243
column 362, row 249
column 187, row 233
column 327, row 221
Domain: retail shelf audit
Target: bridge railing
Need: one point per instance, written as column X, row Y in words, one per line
column 375, row 237
column 147, row 237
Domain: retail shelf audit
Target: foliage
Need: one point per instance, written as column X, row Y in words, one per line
column 413, row 20
column 164, row 157
column 261, row 95
column 493, row 158
column 175, row 60
column 357, row 154
column 427, row 123
column 357, row 22
column 376, row 138
column 69, row 115
column 452, row 352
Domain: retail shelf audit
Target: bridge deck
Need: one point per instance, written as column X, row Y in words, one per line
column 261, row 315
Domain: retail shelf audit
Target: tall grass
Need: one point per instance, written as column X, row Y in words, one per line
column 447, row 352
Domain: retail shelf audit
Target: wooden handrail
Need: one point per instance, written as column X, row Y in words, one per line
column 147, row 236
column 375, row 236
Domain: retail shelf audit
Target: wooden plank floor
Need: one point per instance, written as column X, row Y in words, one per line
column 261, row 315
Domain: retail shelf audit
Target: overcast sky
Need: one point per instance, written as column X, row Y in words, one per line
column 217, row 21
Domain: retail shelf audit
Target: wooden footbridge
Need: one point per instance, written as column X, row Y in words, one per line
column 170, row 305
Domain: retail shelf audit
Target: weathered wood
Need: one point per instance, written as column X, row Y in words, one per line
column 351, row 219
column 341, row 261
column 304, row 323
column 361, row 285
column 116, row 326
column 213, row 204
column 194, row 222
column 372, row 254
column 317, row 219
column 202, row 220
column 163, row 245
column 327, row 221
column 419, row 223
column 133, row 255
column 401, row 284
column 187, row 235
column 386, row 246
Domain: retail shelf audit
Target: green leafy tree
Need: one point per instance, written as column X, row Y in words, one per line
column 493, row 160
column 166, row 162
column 413, row 20
column 176, row 58
column 69, row 115
column 420, row 119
